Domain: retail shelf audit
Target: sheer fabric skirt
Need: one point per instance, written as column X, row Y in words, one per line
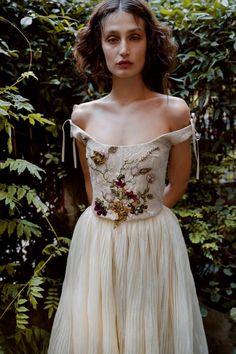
column 128, row 290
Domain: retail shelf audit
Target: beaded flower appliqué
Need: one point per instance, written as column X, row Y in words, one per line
column 121, row 199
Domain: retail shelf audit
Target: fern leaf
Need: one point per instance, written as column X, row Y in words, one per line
column 51, row 301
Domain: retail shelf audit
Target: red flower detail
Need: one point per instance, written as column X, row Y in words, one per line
column 131, row 195
column 119, row 183
column 99, row 208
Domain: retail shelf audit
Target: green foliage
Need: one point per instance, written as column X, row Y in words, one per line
column 21, row 316
column 206, row 65
column 51, row 301
column 20, row 166
column 39, row 87
column 13, row 194
column 35, row 291
column 24, row 218
column 205, row 78
column 22, row 227
column 210, row 230
column 233, row 313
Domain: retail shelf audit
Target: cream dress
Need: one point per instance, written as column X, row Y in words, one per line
column 128, row 286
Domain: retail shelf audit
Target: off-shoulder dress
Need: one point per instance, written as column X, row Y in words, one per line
column 128, row 287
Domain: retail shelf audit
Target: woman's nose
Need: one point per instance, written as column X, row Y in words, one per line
column 124, row 48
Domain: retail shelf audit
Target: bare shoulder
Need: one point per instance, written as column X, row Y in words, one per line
column 84, row 113
column 177, row 113
column 81, row 114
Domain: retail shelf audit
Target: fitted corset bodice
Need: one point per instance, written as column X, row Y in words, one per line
column 128, row 180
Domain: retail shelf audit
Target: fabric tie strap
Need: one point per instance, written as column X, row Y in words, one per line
column 64, row 143
column 196, row 137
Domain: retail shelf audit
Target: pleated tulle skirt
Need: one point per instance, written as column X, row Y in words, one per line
column 128, row 290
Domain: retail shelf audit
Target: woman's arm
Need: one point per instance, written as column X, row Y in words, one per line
column 79, row 117
column 82, row 156
column 179, row 165
column 178, row 173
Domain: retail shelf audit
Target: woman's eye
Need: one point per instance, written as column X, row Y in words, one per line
column 112, row 40
column 135, row 38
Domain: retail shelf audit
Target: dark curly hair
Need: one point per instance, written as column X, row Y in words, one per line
column 161, row 50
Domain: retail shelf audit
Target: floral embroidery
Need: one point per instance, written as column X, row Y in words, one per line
column 112, row 149
column 99, row 158
column 109, row 197
column 134, row 171
column 121, row 198
column 122, row 201
column 150, row 177
column 120, row 182
column 99, row 207
column 122, row 211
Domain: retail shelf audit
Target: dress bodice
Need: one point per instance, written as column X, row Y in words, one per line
column 128, row 181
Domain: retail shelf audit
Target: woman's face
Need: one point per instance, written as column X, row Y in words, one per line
column 124, row 44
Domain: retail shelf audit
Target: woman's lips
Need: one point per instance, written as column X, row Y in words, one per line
column 124, row 64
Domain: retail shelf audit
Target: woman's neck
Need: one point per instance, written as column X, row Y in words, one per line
column 125, row 91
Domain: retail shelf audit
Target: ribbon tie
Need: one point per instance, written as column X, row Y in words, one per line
column 73, row 145
column 196, row 137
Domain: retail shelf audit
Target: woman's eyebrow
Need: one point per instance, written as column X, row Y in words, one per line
column 138, row 29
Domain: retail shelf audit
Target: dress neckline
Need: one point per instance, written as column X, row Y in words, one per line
column 178, row 131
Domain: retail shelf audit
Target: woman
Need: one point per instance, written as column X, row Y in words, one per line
column 128, row 287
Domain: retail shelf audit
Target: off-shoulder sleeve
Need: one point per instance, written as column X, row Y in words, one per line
column 181, row 135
